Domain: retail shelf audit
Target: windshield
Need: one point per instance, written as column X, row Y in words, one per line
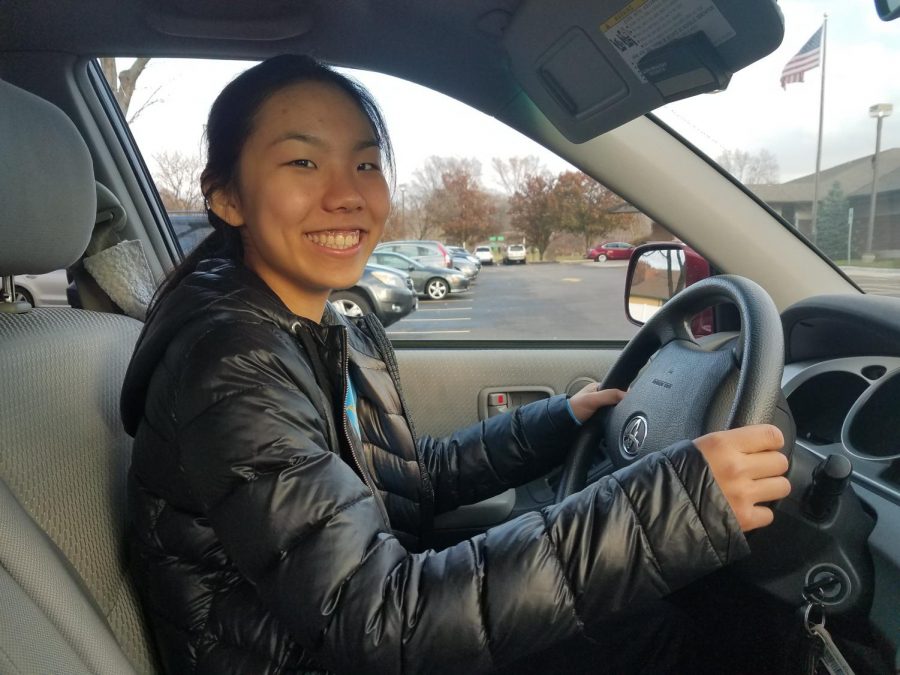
column 764, row 130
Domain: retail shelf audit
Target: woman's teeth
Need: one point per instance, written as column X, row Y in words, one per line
column 336, row 240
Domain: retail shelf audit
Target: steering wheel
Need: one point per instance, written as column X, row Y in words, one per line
column 677, row 389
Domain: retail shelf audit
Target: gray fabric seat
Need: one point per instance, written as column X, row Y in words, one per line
column 66, row 602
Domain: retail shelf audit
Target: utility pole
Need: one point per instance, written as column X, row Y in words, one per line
column 878, row 111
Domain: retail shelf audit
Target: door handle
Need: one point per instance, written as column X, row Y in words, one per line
column 497, row 400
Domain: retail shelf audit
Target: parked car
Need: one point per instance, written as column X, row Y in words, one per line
column 427, row 252
column 466, row 266
column 190, row 227
column 484, row 255
column 386, row 292
column 42, row 290
column 460, row 252
column 515, row 253
column 611, row 250
column 434, row 283
column 464, row 261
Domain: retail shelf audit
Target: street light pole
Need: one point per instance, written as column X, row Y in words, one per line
column 403, row 209
column 878, row 111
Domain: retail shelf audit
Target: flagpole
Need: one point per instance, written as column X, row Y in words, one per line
column 815, row 204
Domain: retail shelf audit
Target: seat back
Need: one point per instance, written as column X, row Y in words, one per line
column 66, row 601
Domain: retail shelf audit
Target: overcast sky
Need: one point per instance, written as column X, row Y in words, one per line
column 863, row 58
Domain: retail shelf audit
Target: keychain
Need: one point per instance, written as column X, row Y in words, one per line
column 823, row 650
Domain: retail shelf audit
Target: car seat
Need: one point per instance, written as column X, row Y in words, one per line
column 67, row 604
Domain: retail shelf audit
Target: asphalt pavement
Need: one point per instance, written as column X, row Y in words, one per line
column 537, row 301
column 580, row 300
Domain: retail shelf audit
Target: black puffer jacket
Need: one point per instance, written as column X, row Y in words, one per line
column 268, row 539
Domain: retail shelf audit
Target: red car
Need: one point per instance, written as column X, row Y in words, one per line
column 611, row 250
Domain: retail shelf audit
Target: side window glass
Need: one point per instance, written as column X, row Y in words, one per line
column 463, row 179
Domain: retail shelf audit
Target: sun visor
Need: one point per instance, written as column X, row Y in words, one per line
column 273, row 20
column 592, row 65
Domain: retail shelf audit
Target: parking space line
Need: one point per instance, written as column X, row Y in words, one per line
column 455, row 318
column 425, row 332
column 441, row 309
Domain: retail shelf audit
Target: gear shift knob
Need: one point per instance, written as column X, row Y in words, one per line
column 830, row 479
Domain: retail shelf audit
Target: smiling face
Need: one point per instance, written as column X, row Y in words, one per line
column 311, row 198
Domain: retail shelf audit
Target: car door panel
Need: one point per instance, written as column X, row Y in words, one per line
column 442, row 385
column 447, row 389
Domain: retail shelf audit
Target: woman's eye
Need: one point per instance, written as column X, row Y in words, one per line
column 304, row 163
column 369, row 166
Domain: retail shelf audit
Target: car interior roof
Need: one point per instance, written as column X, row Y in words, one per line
column 447, row 38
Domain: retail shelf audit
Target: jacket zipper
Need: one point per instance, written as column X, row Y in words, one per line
column 359, row 465
column 387, row 353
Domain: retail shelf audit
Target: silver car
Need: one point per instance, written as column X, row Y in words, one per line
column 388, row 293
column 515, row 253
column 434, row 283
column 427, row 252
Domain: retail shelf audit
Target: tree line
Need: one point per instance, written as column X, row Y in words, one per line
column 447, row 199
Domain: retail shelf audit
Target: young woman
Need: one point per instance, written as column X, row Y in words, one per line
column 279, row 493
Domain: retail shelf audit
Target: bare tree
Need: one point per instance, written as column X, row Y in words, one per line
column 750, row 168
column 514, row 172
column 534, row 212
column 178, row 181
column 462, row 208
column 123, row 83
column 425, row 210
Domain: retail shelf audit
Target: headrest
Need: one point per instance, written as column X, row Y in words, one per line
column 48, row 200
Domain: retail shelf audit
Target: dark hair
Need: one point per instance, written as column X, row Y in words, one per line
column 230, row 123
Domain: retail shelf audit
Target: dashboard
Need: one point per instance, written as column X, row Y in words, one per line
column 842, row 384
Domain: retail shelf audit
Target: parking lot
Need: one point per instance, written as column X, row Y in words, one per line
column 543, row 301
column 579, row 300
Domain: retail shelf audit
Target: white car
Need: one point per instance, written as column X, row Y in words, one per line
column 43, row 290
column 484, row 255
column 515, row 253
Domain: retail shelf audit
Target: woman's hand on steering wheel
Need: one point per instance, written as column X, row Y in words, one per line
column 591, row 398
column 748, row 467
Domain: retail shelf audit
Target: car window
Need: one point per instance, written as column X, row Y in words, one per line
column 765, row 130
column 462, row 179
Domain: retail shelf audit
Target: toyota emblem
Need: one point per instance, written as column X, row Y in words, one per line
column 634, row 435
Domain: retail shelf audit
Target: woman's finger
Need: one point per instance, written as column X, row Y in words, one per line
column 606, row 397
column 765, row 464
column 770, row 489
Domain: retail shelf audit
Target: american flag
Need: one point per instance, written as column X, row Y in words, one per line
column 806, row 59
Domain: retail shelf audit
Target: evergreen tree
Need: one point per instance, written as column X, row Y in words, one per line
column 832, row 224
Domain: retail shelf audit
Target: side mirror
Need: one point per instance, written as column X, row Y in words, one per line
column 656, row 272
column 411, row 268
column 888, row 10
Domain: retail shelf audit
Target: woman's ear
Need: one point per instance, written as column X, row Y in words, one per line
column 226, row 205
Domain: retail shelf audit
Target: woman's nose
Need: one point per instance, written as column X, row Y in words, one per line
column 343, row 192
